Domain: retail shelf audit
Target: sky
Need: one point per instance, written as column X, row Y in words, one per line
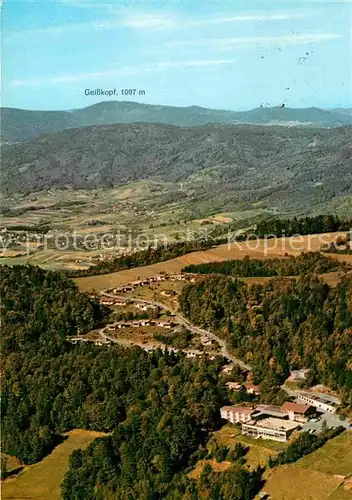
column 229, row 54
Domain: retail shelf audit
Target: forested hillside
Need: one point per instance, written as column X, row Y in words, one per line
column 158, row 407
column 285, row 169
column 305, row 263
column 301, row 323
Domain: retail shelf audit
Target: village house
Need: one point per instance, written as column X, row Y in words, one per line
column 227, row 369
column 206, row 341
column 298, row 412
column 168, row 293
column 138, row 283
column 165, row 324
column 76, row 340
column 275, row 429
column 234, row 386
column 145, row 322
column 119, row 302
column 193, row 354
column 236, row 414
column 107, row 301
column 252, row 388
column 297, row 375
column 159, row 277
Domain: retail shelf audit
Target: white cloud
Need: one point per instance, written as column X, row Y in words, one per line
column 118, row 19
column 231, row 42
column 128, row 71
column 245, row 18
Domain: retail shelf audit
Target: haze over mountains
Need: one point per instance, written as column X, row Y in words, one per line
column 19, row 125
column 290, row 169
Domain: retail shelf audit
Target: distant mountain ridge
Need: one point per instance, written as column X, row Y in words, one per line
column 18, row 124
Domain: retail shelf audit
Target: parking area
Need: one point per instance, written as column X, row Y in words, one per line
column 332, row 420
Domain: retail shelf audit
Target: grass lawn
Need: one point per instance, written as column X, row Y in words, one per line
column 335, row 457
column 343, row 492
column 42, row 481
column 290, row 482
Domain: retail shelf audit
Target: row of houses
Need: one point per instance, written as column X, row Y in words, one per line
column 268, row 421
column 85, row 340
column 142, row 322
column 110, row 301
column 130, row 287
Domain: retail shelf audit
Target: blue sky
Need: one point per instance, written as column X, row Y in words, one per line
column 226, row 54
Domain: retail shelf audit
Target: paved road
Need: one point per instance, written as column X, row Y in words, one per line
column 183, row 321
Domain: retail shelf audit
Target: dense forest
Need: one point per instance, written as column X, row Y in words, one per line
column 302, row 226
column 305, row 263
column 280, row 325
column 158, row 408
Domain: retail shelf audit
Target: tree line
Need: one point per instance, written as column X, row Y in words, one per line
column 302, row 226
column 310, row 262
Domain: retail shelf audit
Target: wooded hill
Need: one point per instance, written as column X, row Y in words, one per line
column 305, row 263
column 284, row 169
column 281, row 325
column 22, row 124
column 158, row 408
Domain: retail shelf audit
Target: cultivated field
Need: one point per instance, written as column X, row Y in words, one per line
column 42, row 481
column 257, row 249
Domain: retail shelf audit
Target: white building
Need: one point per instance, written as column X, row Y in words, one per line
column 321, row 402
column 296, row 375
column 275, row 429
column 234, row 386
column 236, row 414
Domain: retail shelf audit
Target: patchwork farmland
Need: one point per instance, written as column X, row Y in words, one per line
column 256, row 249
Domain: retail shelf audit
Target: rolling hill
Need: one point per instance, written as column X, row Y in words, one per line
column 19, row 124
column 288, row 169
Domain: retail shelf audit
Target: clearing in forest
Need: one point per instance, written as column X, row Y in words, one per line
column 42, row 481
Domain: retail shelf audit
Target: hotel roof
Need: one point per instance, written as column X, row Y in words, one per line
column 295, row 407
column 276, row 424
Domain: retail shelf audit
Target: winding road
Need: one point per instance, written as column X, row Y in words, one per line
column 181, row 320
